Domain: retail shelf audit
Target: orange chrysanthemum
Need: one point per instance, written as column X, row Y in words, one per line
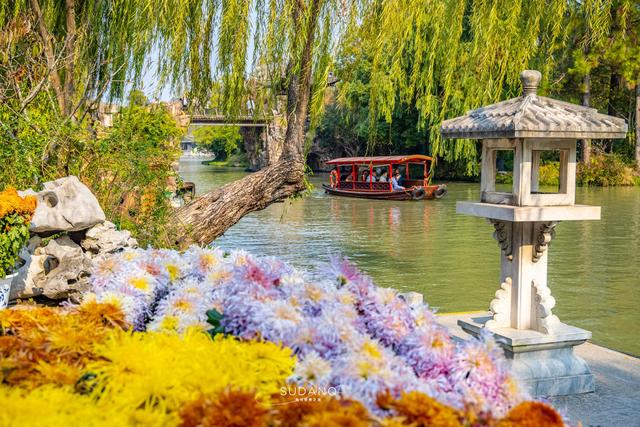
column 325, row 410
column 342, row 418
column 421, row 410
column 12, row 203
column 230, row 408
column 532, row 414
column 44, row 345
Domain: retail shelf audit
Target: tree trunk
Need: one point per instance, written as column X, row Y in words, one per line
column 614, row 85
column 586, row 101
column 49, row 54
column 213, row 213
column 638, row 124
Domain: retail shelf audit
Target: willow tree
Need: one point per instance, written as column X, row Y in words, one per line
column 90, row 49
column 448, row 56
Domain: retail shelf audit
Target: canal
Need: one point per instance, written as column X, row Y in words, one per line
column 594, row 266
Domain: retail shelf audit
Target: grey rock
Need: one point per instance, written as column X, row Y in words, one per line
column 58, row 270
column 33, row 244
column 65, row 204
column 105, row 238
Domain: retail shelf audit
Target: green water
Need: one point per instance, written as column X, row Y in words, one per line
column 594, row 266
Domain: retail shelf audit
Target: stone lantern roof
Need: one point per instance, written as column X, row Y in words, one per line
column 534, row 116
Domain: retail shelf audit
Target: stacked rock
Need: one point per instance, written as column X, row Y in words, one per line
column 68, row 232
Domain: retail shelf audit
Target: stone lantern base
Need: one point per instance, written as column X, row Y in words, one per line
column 545, row 364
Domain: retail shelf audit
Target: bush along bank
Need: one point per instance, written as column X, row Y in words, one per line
column 606, row 170
column 207, row 337
column 603, row 170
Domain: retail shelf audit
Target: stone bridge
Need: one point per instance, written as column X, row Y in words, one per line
column 263, row 136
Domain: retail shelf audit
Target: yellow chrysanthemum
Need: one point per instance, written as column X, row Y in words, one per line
column 314, row 293
column 151, row 370
column 173, row 271
column 141, row 283
column 183, row 305
column 365, row 367
column 169, row 323
column 129, row 255
column 207, row 260
column 346, row 298
column 370, row 349
column 60, row 406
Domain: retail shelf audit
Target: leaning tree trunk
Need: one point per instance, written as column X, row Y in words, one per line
column 213, row 213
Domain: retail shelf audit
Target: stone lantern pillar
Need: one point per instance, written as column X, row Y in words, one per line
column 538, row 345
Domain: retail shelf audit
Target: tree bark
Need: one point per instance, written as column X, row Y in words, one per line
column 638, row 124
column 213, row 213
column 586, row 101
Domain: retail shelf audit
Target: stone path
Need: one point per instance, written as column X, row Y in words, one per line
column 616, row 401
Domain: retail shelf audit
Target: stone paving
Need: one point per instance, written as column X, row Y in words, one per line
column 616, row 401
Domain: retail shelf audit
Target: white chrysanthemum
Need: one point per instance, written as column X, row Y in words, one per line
column 313, row 369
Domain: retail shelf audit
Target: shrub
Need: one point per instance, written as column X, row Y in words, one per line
column 15, row 214
column 605, row 170
column 129, row 166
column 130, row 170
column 549, row 174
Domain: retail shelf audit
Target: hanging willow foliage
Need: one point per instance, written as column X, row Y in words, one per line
column 441, row 56
column 189, row 43
column 448, row 56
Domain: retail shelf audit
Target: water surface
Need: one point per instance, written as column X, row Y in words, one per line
column 594, row 266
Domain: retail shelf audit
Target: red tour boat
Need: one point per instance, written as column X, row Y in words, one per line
column 350, row 178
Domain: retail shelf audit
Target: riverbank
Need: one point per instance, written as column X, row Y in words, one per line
column 617, row 397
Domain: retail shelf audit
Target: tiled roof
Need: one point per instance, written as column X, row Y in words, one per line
column 533, row 116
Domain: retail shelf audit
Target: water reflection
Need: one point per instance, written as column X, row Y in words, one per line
column 594, row 266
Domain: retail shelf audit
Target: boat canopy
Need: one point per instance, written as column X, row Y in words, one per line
column 380, row 160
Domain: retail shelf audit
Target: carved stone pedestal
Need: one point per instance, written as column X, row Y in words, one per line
column 545, row 364
column 537, row 344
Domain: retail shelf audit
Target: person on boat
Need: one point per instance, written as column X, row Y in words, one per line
column 399, row 178
column 363, row 177
column 372, row 177
column 384, row 177
column 394, row 182
column 348, row 178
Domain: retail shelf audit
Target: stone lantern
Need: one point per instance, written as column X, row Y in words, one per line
column 538, row 345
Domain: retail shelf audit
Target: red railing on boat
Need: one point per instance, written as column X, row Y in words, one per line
column 364, row 186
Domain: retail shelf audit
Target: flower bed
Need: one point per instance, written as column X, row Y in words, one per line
column 284, row 348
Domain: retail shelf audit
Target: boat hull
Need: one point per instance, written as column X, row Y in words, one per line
column 430, row 192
